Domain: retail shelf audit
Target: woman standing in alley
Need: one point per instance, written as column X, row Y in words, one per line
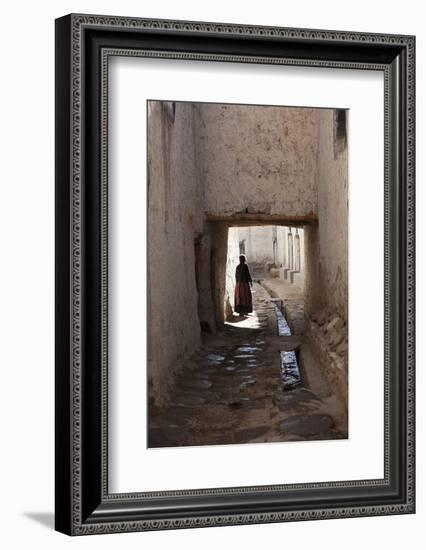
column 243, row 282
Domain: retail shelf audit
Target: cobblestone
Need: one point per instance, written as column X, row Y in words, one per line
column 231, row 390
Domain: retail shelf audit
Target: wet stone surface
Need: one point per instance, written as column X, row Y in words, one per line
column 307, row 425
column 248, row 434
column 189, row 400
column 248, row 404
column 289, row 399
column 290, row 370
column 197, row 384
column 166, row 437
column 232, row 391
column 283, row 328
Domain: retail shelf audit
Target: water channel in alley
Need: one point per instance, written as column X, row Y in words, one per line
column 243, row 386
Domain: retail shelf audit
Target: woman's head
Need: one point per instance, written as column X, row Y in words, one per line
column 242, row 259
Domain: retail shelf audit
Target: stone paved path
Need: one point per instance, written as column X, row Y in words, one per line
column 231, row 391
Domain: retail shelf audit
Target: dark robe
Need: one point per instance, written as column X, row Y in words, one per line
column 242, row 297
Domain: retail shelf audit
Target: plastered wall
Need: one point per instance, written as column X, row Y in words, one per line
column 175, row 217
column 258, row 160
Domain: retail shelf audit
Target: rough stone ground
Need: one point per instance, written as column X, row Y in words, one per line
column 231, row 391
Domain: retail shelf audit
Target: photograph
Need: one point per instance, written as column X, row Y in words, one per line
column 247, row 273
column 234, row 272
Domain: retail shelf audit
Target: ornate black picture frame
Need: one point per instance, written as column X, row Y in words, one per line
column 83, row 45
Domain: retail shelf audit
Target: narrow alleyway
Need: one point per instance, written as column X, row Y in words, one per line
column 232, row 390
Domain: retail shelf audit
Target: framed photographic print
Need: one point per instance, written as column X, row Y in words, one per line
column 234, row 274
